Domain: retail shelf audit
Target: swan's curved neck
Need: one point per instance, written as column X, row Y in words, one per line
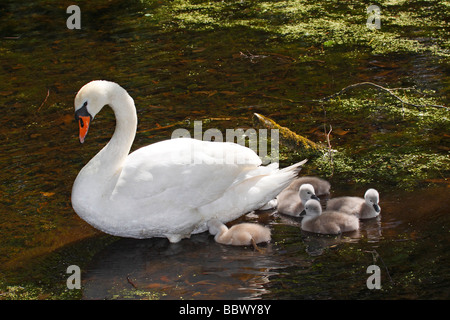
column 118, row 148
column 108, row 163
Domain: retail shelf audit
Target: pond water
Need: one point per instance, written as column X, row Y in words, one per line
column 295, row 265
column 220, row 65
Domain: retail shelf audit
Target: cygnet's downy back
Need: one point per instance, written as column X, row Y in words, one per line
column 366, row 208
column 328, row 222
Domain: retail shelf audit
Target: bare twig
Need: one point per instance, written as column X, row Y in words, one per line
column 375, row 256
column 12, row 37
column 278, row 56
column 330, row 153
column 252, row 56
column 131, row 282
column 390, row 91
column 45, row 100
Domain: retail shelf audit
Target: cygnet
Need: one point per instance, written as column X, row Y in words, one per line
column 291, row 202
column 328, row 222
column 321, row 186
column 366, row 208
column 242, row 234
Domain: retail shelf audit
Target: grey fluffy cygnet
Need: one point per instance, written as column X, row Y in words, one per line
column 328, row 222
column 291, row 202
column 242, row 234
column 366, row 208
column 321, row 186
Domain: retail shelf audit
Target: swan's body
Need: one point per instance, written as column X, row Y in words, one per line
column 243, row 234
column 167, row 189
column 366, row 208
column 291, row 202
column 328, row 222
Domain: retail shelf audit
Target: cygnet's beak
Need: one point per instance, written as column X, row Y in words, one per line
column 315, row 197
column 377, row 208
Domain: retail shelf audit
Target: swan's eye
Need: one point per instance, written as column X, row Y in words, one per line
column 82, row 112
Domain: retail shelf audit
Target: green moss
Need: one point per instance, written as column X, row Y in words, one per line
column 134, row 294
column 27, row 292
column 45, row 277
column 381, row 140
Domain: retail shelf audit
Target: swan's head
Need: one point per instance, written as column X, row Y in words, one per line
column 214, row 226
column 307, row 192
column 372, row 198
column 91, row 98
column 313, row 208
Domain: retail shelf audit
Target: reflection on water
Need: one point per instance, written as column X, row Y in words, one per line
column 197, row 268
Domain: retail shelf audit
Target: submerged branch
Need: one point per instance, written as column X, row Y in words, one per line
column 359, row 84
column 288, row 138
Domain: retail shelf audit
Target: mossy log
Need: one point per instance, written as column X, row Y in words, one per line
column 287, row 137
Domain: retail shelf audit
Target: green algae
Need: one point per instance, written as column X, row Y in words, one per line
column 415, row 26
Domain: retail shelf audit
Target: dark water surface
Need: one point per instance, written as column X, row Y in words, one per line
column 220, row 75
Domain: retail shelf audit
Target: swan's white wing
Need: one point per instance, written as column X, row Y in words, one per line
column 184, row 171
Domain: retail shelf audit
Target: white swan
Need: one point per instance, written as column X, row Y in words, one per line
column 366, row 208
column 292, row 202
column 328, row 222
column 243, row 234
column 167, row 189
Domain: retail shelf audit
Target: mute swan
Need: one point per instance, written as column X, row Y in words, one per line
column 291, row 202
column 328, row 222
column 366, row 208
column 243, row 234
column 167, row 189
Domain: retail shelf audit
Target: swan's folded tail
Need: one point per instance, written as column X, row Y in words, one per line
column 284, row 177
column 295, row 168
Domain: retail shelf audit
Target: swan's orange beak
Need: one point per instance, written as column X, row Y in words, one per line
column 83, row 122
